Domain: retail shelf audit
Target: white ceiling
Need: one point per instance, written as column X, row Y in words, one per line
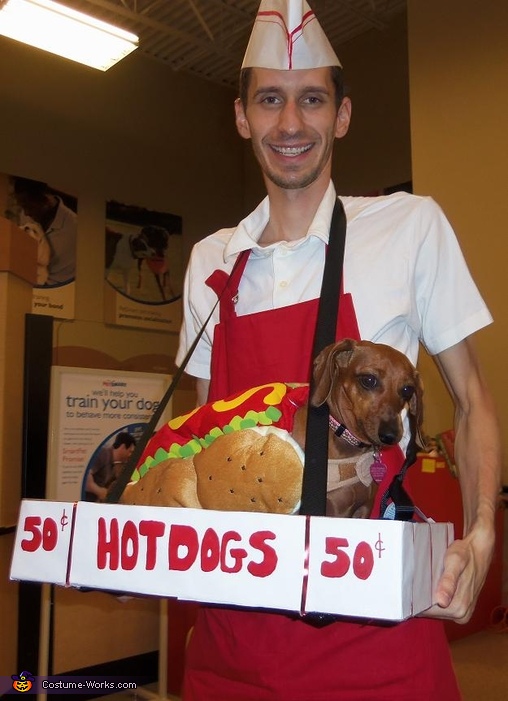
column 208, row 37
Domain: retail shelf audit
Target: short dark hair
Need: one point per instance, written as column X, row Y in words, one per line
column 35, row 189
column 337, row 78
column 125, row 439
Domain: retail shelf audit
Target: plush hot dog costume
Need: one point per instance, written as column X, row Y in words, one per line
column 235, row 454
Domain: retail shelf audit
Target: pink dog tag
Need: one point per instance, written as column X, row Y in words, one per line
column 378, row 469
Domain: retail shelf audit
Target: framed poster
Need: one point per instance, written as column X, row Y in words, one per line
column 96, row 418
column 49, row 216
column 143, row 267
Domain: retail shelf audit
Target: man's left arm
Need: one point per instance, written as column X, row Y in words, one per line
column 478, row 458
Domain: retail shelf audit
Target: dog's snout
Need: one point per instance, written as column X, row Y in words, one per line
column 388, row 438
column 389, row 433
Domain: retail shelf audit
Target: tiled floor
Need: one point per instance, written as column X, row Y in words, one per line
column 481, row 664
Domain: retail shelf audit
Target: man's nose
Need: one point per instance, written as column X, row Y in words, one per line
column 290, row 118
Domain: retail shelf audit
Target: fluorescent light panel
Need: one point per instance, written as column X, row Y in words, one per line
column 55, row 28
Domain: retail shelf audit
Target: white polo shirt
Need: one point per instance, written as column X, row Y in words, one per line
column 402, row 265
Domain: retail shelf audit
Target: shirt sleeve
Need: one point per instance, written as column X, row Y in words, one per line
column 450, row 307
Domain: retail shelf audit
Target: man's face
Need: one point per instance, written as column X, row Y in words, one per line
column 292, row 119
column 124, row 453
column 35, row 207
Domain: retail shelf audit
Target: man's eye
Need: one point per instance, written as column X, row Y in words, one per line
column 313, row 100
column 407, row 392
column 368, row 381
column 270, row 100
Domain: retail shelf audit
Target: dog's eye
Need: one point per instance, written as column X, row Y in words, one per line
column 368, row 381
column 407, row 392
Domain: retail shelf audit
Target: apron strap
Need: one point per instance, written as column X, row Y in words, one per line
column 218, row 281
column 316, row 442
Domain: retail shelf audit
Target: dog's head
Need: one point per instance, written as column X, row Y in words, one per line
column 367, row 386
column 152, row 241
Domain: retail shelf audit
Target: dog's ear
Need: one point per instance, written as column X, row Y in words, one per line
column 327, row 368
column 416, row 409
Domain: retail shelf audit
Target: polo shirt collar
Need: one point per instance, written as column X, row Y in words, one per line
column 59, row 218
column 249, row 230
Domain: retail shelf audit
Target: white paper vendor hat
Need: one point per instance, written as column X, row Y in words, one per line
column 287, row 36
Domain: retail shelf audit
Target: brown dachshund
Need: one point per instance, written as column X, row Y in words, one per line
column 366, row 386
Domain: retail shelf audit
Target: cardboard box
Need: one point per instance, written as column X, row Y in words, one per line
column 18, row 252
column 353, row 567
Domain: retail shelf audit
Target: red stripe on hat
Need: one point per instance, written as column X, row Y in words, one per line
column 290, row 36
column 306, row 19
column 280, row 18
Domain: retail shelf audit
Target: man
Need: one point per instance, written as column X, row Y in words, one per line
column 107, row 465
column 292, row 110
column 56, row 223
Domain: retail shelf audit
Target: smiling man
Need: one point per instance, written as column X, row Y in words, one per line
column 292, row 109
column 292, row 119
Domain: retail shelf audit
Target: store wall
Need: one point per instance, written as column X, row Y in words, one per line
column 376, row 153
column 458, row 76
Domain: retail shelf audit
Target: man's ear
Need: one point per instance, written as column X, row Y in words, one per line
column 242, row 124
column 343, row 118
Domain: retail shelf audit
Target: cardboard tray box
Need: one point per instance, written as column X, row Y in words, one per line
column 353, row 567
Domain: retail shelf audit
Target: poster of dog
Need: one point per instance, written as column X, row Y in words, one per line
column 143, row 267
column 49, row 216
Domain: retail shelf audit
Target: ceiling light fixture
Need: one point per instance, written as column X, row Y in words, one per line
column 56, row 28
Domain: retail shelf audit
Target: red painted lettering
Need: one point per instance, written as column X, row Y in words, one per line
column 130, row 546
column 363, row 560
column 182, row 537
column 45, row 534
column 340, row 566
column 151, row 530
column 210, row 551
column 237, row 554
column 49, row 534
column 32, row 524
column 269, row 561
column 108, row 545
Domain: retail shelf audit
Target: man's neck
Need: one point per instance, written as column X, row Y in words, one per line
column 49, row 215
column 291, row 213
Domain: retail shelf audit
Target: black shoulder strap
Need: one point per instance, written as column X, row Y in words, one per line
column 402, row 504
column 316, row 443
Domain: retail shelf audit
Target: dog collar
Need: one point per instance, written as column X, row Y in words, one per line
column 342, row 432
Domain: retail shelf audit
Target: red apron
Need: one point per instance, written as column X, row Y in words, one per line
column 274, row 346
column 244, row 655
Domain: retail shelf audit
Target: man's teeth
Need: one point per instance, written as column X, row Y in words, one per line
column 291, row 150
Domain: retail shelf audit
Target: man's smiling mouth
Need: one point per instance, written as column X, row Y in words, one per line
column 291, row 150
